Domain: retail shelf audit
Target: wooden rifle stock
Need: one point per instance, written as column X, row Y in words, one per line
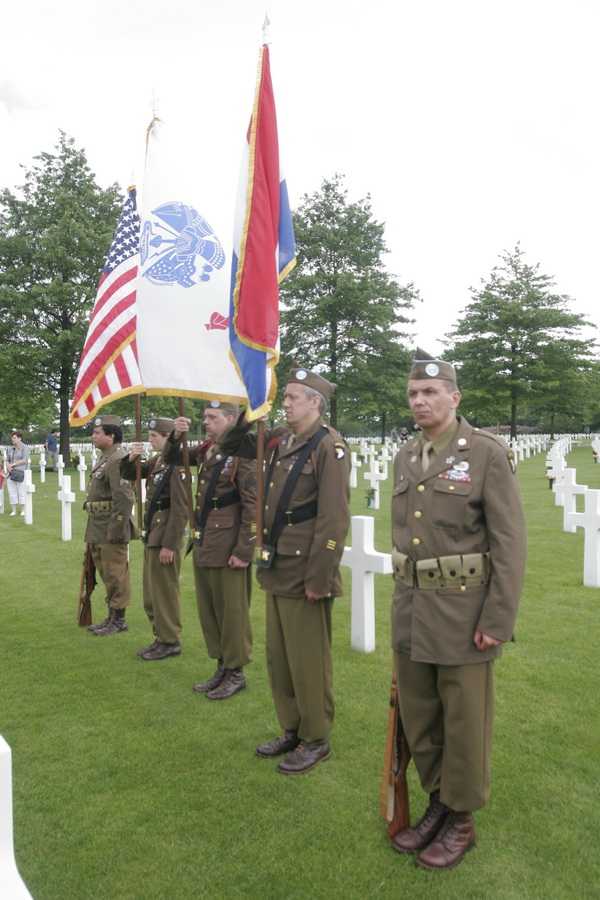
column 86, row 589
column 393, row 799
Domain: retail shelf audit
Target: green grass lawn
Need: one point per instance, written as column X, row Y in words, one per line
column 127, row 785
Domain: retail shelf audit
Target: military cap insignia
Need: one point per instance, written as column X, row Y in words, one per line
column 97, row 421
column 340, row 450
column 432, row 369
column 301, row 375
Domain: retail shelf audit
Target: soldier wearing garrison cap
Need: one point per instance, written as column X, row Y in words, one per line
column 110, row 527
column 225, row 537
column 459, row 548
column 306, row 520
column 162, row 534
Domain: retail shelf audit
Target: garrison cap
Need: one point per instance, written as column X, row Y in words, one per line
column 157, row 424
column 226, row 406
column 107, row 420
column 301, row 375
column 426, row 366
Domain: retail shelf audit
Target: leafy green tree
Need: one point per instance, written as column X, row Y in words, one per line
column 55, row 234
column 518, row 345
column 342, row 312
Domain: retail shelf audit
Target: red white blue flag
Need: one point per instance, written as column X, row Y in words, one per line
column 109, row 363
column 264, row 251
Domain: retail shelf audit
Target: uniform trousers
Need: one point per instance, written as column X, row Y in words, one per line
column 447, row 714
column 161, row 595
column 112, row 562
column 299, row 664
column 223, row 595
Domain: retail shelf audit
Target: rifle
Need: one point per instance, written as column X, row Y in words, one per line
column 393, row 800
column 86, row 589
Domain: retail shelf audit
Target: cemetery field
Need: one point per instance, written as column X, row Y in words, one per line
column 129, row 786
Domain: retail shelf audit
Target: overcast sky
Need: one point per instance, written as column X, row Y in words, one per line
column 473, row 124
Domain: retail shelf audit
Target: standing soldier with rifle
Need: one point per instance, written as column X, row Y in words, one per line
column 109, row 503
column 459, row 560
column 162, row 535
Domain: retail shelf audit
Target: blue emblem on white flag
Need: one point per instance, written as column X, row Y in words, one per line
column 186, row 249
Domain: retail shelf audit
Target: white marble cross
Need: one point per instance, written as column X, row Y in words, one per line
column 29, row 492
column 364, row 561
column 12, row 886
column 356, row 464
column 374, row 476
column 42, row 467
column 82, row 469
column 589, row 520
column 566, row 495
column 66, row 497
column 60, row 468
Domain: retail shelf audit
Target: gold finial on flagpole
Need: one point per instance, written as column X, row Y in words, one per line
column 265, row 29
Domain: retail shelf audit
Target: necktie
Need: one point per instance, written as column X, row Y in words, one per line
column 425, row 455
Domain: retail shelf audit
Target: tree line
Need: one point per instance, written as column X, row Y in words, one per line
column 517, row 345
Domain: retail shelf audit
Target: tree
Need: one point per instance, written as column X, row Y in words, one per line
column 54, row 239
column 341, row 310
column 518, row 344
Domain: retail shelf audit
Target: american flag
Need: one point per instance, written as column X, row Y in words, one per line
column 109, row 362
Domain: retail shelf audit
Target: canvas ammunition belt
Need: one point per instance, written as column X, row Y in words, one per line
column 98, row 507
column 449, row 572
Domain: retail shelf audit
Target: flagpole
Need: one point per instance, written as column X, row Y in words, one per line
column 260, row 487
column 138, row 460
column 188, row 475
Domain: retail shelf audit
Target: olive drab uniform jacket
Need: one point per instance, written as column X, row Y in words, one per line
column 170, row 515
column 231, row 528
column 308, row 553
column 460, row 546
column 109, row 500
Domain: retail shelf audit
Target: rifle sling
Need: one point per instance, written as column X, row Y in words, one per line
column 154, row 503
column 284, row 516
column 211, row 502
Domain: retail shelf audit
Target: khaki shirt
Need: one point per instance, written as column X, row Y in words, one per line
column 308, row 553
column 467, row 502
column 167, row 527
column 107, row 488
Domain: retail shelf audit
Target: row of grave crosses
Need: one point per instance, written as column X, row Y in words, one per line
column 566, row 491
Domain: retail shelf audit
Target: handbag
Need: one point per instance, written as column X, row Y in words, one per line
column 17, row 474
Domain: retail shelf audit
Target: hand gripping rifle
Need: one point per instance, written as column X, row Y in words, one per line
column 393, row 799
column 86, row 589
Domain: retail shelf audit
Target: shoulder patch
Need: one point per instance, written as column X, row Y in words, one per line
column 339, row 450
column 511, row 461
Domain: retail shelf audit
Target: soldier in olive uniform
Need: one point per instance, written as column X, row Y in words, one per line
column 307, row 515
column 459, row 560
column 223, row 550
column 164, row 523
column 110, row 527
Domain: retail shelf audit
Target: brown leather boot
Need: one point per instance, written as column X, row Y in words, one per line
column 420, row 835
column 232, row 683
column 116, row 623
column 213, row 682
column 285, row 743
column 450, row 845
